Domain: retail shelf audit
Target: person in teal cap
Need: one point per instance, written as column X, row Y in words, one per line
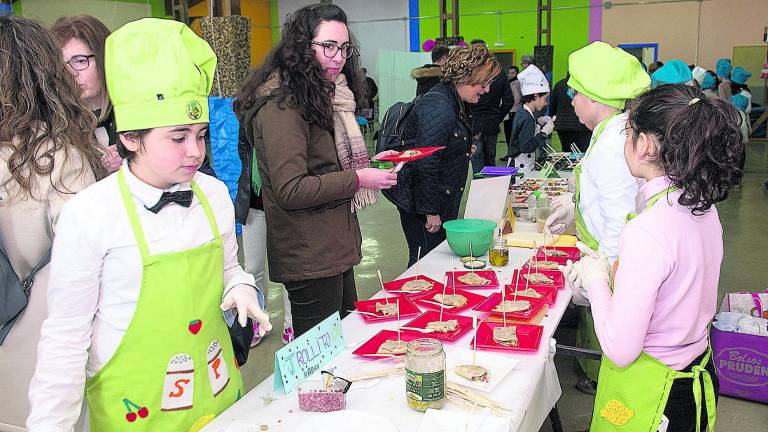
column 739, row 79
column 723, row 69
column 741, row 102
column 145, row 261
column 602, row 78
column 673, row 72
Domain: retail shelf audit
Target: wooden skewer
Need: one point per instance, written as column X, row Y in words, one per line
column 453, row 273
column 397, row 302
column 474, row 347
column 381, row 282
column 471, row 256
column 418, row 257
column 442, row 306
column 503, row 309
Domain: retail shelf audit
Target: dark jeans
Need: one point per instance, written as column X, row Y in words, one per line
column 579, row 138
column 486, row 152
column 508, row 128
column 316, row 299
column 681, row 407
column 416, row 235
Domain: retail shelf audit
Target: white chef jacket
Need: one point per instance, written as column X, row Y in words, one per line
column 607, row 189
column 95, row 281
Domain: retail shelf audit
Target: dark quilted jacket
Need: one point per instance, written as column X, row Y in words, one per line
column 434, row 185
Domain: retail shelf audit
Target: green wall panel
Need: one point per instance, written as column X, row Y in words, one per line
column 570, row 26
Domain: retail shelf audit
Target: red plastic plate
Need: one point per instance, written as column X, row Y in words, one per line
column 549, row 293
column 555, row 275
column 371, row 346
column 424, row 299
column 407, row 309
column 488, row 274
column 528, row 337
column 397, row 284
column 423, row 152
column 495, row 298
column 573, row 254
column 465, row 325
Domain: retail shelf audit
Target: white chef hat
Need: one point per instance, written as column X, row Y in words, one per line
column 532, row 81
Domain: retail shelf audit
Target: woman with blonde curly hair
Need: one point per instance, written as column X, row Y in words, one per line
column 48, row 153
column 428, row 191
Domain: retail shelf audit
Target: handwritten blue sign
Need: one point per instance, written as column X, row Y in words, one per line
column 311, row 351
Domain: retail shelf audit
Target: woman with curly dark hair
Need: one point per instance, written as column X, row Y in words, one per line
column 297, row 118
column 429, row 190
column 48, row 153
column 652, row 316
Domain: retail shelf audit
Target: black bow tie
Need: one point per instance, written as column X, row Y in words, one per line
column 182, row 198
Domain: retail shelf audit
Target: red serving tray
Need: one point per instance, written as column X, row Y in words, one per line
column 425, row 151
column 528, row 337
column 495, row 298
column 549, row 293
column 556, row 275
column 396, row 284
column 465, row 325
column 488, row 274
column 573, row 254
column 407, row 309
column 369, row 348
column 473, row 299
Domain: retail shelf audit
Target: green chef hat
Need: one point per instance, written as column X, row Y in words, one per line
column 159, row 73
column 606, row 74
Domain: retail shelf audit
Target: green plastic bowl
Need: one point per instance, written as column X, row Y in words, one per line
column 461, row 232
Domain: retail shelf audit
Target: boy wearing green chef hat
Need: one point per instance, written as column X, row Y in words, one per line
column 602, row 79
column 145, row 261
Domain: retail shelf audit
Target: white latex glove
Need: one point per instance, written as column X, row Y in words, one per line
column 564, row 200
column 592, row 266
column 559, row 220
column 573, row 282
column 548, row 127
column 543, row 120
column 243, row 298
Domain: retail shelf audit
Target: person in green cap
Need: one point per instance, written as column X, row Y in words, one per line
column 602, row 79
column 145, row 261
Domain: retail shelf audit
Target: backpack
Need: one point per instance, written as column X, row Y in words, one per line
column 14, row 294
column 390, row 135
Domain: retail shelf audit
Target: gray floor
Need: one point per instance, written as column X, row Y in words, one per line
column 745, row 230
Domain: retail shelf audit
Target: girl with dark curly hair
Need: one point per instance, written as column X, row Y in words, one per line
column 48, row 153
column 652, row 316
column 311, row 174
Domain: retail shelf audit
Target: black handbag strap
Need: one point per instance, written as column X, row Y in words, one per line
column 27, row 283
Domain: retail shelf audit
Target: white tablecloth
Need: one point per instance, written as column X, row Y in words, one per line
column 530, row 389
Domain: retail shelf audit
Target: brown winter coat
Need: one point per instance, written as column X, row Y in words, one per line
column 311, row 230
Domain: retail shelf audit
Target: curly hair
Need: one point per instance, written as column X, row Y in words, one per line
column 92, row 33
column 470, row 64
column 41, row 109
column 699, row 142
column 302, row 81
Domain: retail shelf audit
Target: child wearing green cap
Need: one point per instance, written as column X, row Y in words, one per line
column 146, row 259
column 602, row 78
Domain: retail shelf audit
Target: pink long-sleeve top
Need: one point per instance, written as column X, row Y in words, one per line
column 665, row 286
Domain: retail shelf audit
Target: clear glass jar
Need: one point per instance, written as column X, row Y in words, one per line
column 425, row 374
column 499, row 254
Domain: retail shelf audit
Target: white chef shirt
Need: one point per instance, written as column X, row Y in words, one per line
column 608, row 190
column 95, row 281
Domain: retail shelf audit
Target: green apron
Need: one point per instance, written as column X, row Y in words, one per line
column 634, row 398
column 585, row 333
column 175, row 369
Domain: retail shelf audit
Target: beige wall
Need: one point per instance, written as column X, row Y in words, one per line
column 112, row 13
column 675, row 27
